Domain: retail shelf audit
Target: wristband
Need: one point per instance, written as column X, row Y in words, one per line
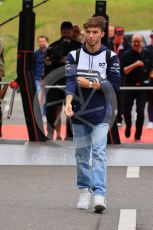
column 90, row 84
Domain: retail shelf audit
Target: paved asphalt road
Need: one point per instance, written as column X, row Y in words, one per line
column 45, row 197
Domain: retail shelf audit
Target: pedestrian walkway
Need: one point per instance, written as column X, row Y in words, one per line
column 62, row 153
column 15, row 127
column 21, row 133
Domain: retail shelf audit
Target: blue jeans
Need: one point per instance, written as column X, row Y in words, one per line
column 91, row 141
column 38, row 88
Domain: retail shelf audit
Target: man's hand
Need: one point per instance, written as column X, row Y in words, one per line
column 48, row 61
column 68, row 107
column 42, row 83
column 129, row 68
column 84, row 83
column 151, row 74
column 139, row 63
column 68, row 110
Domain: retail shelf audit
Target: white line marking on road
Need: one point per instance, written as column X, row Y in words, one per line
column 133, row 172
column 127, row 219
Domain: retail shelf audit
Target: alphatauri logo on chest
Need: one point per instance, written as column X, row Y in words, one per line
column 102, row 65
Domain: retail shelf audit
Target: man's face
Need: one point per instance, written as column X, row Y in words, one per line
column 42, row 43
column 137, row 42
column 66, row 33
column 119, row 38
column 111, row 31
column 93, row 36
column 76, row 32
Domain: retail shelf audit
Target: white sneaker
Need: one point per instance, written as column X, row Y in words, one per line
column 84, row 199
column 99, row 203
column 150, row 125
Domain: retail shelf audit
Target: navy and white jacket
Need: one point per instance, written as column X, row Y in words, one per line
column 92, row 106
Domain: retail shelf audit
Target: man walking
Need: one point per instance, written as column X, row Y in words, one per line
column 39, row 66
column 136, row 66
column 119, row 46
column 87, row 90
column 56, row 58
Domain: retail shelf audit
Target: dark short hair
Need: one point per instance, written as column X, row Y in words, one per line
column 43, row 36
column 98, row 21
column 66, row 25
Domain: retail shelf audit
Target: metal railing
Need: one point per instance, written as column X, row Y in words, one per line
column 121, row 88
column 3, row 91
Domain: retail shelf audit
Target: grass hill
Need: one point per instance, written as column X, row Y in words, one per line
column 132, row 14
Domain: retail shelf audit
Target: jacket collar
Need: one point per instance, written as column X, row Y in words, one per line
column 102, row 48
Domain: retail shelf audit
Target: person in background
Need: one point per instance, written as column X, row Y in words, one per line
column 1, row 76
column 150, row 93
column 56, row 58
column 136, row 65
column 38, row 66
column 76, row 33
column 117, row 45
column 111, row 30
